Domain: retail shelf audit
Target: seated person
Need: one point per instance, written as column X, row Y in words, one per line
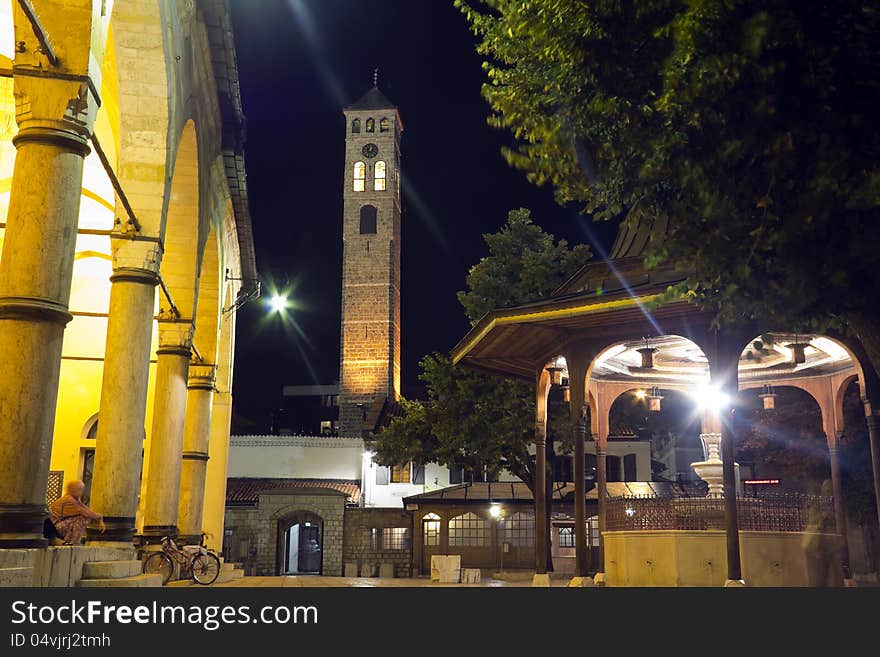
column 70, row 516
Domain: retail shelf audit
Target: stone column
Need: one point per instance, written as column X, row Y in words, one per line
column 215, row 478
column 839, row 506
column 54, row 116
column 196, row 437
column 166, row 438
column 120, row 441
column 542, row 391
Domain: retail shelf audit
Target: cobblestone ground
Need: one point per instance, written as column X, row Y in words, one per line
column 316, row 581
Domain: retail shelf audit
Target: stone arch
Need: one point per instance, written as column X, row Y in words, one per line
column 138, row 46
column 179, row 268
column 207, row 317
column 284, row 521
column 90, row 427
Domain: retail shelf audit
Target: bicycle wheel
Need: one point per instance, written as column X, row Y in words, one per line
column 159, row 563
column 205, row 568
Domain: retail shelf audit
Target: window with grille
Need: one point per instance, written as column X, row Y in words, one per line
column 400, row 474
column 56, row 486
column 518, row 529
column 371, row 125
column 356, row 125
column 468, row 530
column 566, row 537
column 395, row 538
column 431, row 529
column 384, row 124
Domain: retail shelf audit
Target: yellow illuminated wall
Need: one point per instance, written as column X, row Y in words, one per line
column 85, row 337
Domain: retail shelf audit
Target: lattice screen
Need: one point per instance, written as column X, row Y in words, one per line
column 56, row 486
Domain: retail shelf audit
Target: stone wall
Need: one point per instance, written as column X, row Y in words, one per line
column 252, row 533
column 364, row 547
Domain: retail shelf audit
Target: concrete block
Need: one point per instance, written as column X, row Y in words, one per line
column 599, row 579
column 16, row 576
column 111, row 569
column 386, row 570
column 541, row 580
column 351, row 569
column 581, row 582
column 470, row 575
column 368, row 569
column 138, row 581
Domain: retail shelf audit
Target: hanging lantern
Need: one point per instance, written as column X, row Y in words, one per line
column 798, row 356
column 566, row 393
column 647, row 356
column 555, row 375
column 654, row 400
column 768, row 397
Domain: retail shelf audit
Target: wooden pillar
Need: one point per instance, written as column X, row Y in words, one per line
column 839, row 507
column 578, row 361
column 723, row 349
column 542, row 390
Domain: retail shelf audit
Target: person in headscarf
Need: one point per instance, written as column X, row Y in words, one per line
column 70, row 516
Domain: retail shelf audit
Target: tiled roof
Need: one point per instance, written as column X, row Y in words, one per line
column 373, row 99
column 519, row 492
column 245, row 491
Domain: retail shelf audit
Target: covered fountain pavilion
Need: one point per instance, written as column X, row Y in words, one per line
column 612, row 328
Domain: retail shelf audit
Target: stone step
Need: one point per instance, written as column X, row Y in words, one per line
column 16, row 576
column 137, row 581
column 17, row 557
column 222, row 578
column 111, row 569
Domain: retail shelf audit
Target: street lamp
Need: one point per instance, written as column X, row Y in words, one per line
column 277, row 303
column 495, row 511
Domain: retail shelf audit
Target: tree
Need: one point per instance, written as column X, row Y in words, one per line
column 524, row 264
column 746, row 125
column 472, row 419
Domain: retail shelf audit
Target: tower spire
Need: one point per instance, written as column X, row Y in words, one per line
column 376, row 77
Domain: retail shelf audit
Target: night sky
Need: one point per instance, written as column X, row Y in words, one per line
column 300, row 62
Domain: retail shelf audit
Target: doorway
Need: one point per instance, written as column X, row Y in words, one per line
column 300, row 544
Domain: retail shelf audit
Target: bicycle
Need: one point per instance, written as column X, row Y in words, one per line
column 196, row 560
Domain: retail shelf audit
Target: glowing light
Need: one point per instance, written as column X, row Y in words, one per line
column 495, row 511
column 710, row 398
column 640, row 394
column 630, row 512
column 277, row 303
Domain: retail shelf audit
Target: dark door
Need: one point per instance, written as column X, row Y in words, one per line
column 309, row 548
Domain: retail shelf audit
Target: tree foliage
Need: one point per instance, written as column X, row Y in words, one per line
column 524, row 264
column 746, row 124
column 472, row 419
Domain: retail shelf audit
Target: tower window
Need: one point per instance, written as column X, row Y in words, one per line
column 356, row 125
column 360, row 175
column 368, row 220
column 379, row 179
column 371, row 125
column 384, row 124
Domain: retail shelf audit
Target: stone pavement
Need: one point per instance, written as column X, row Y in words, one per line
column 317, row 581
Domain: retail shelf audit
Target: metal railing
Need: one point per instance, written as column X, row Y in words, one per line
column 788, row 512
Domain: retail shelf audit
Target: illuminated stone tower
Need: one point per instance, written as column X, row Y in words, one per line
column 369, row 369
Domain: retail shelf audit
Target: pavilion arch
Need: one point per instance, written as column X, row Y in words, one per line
column 829, row 368
column 179, row 268
column 207, row 317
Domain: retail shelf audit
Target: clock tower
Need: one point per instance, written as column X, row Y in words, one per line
column 369, row 367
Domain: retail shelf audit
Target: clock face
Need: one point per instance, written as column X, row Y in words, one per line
column 370, row 150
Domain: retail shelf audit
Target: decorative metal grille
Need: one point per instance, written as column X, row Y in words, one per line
column 789, row 512
column 518, row 529
column 468, row 530
column 56, row 486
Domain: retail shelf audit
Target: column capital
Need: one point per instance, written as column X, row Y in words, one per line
column 202, row 376
column 135, row 259
column 175, row 336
